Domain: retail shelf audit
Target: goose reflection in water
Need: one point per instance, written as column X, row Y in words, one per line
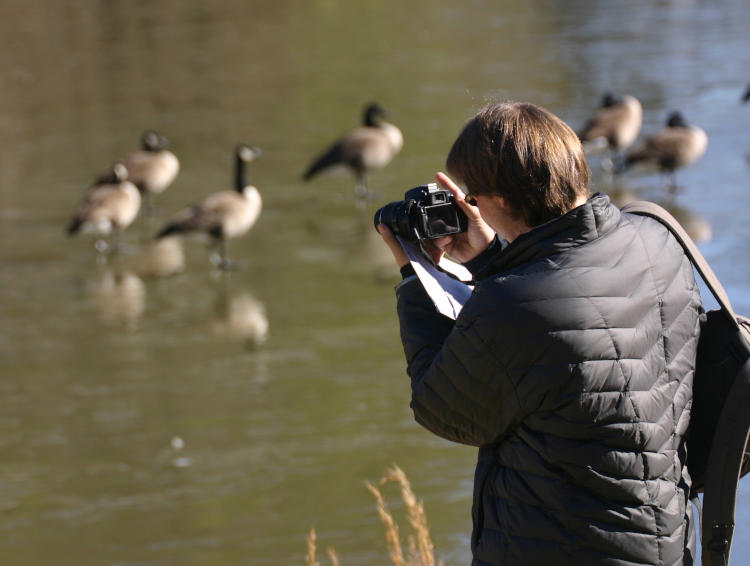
column 239, row 315
column 376, row 254
column 694, row 224
column 119, row 298
column 158, row 259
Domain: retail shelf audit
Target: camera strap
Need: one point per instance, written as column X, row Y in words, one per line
column 423, row 251
column 443, row 283
column 426, row 254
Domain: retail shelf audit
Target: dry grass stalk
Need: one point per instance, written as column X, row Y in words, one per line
column 391, row 528
column 421, row 549
column 310, row 558
column 333, row 556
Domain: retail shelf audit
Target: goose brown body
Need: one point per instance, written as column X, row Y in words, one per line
column 153, row 168
column 109, row 206
column 222, row 215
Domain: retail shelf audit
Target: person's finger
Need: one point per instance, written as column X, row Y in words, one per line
column 447, row 183
column 436, row 253
column 443, row 242
column 390, row 239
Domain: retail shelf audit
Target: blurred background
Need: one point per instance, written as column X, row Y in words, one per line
column 156, row 412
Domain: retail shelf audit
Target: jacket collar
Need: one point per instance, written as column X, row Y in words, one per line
column 590, row 221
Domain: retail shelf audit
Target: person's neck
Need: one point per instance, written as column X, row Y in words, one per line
column 515, row 228
column 580, row 201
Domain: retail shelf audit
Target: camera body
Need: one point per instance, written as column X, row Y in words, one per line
column 427, row 212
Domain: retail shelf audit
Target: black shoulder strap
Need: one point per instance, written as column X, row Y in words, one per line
column 723, row 472
column 730, row 437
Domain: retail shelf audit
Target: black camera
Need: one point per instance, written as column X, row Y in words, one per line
column 426, row 212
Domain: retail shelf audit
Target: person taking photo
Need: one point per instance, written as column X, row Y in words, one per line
column 570, row 367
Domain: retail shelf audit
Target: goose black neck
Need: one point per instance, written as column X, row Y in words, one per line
column 240, row 176
column 609, row 100
column 371, row 116
column 675, row 120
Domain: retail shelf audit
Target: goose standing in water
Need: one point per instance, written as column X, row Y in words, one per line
column 108, row 207
column 677, row 145
column 616, row 124
column 222, row 215
column 153, row 168
column 368, row 148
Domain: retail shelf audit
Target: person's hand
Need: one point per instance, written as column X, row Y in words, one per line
column 390, row 239
column 465, row 245
column 398, row 252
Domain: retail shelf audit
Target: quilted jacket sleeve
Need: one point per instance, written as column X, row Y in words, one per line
column 460, row 391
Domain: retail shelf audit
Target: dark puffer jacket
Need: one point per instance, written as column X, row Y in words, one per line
column 571, row 367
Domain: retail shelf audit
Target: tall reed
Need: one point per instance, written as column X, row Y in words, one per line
column 310, row 559
column 421, row 551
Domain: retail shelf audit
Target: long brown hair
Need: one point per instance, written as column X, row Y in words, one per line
column 525, row 154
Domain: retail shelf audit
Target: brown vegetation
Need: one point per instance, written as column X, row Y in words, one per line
column 420, row 550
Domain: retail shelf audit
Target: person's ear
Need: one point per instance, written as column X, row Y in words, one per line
column 500, row 202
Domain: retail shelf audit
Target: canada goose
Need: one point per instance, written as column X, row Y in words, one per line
column 368, row 148
column 153, row 168
column 222, row 215
column 616, row 123
column 677, row 145
column 108, row 207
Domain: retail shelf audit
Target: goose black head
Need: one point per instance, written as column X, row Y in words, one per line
column 247, row 153
column 153, row 141
column 244, row 153
column 116, row 173
column 675, row 120
column 373, row 111
column 609, row 100
column 119, row 172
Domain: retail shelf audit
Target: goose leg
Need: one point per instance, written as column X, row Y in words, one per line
column 360, row 189
column 148, row 204
column 105, row 247
column 117, row 246
column 101, row 246
column 362, row 193
column 671, row 184
column 102, row 250
column 219, row 257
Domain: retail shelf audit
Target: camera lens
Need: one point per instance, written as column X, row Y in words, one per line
column 395, row 215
